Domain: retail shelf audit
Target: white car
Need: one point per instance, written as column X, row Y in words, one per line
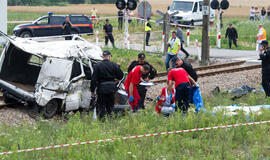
column 190, row 12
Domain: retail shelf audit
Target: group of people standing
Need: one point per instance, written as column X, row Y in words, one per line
column 255, row 14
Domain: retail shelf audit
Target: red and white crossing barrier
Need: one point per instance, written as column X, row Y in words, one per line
column 97, row 37
column 163, row 41
column 219, row 40
column 135, row 137
column 188, row 34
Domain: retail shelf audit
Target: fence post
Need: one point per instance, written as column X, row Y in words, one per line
column 257, row 45
column 128, row 41
column 97, row 38
column 188, row 34
column 198, row 50
column 219, row 40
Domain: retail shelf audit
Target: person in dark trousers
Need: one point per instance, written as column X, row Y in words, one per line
column 146, row 77
column 180, row 35
column 265, row 57
column 263, row 14
column 188, row 67
column 120, row 19
column 182, row 86
column 231, row 33
column 103, row 79
column 108, row 32
column 148, row 29
column 67, row 26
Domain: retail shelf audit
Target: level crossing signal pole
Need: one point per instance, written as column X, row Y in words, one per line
column 205, row 31
column 144, row 21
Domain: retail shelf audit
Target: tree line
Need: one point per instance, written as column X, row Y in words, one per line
column 55, row 2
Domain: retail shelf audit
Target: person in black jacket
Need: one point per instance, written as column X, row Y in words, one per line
column 231, row 33
column 187, row 67
column 103, row 79
column 67, row 26
column 120, row 19
column 108, row 32
column 146, row 77
column 265, row 57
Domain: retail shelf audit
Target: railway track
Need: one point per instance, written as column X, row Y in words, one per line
column 224, row 65
column 213, row 73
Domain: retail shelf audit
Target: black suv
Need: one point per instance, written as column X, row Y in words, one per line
column 51, row 25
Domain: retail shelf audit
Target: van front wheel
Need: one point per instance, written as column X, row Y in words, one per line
column 51, row 109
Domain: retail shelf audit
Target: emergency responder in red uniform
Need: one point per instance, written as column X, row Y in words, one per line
column 133, row 80
column 182, row 86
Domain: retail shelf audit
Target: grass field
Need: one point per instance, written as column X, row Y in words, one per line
column 247, row 30
column 250, row 142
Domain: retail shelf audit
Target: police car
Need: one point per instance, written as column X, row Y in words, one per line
column 51, row 25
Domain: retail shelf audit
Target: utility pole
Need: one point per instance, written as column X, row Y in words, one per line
column 144, row 19
column 3, row 18
column 126, row 28
column 166, row 31
column 205, row 30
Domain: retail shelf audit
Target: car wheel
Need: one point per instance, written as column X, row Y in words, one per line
column 8, row 100
column 26, row 34
column 192, row 23
column 50, row 109
column 34, row 111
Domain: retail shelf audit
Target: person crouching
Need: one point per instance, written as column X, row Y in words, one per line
column 182, row 86
column 133, row 79
column 166, row 102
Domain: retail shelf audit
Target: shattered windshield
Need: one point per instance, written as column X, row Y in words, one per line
column 182, row 6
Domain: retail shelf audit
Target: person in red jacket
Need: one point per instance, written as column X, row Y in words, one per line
column 165, row 99
column 182, row 86
column 133, row 80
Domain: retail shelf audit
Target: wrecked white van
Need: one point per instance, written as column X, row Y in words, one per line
column 54, row 75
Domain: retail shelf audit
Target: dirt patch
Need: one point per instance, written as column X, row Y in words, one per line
column 239, row 8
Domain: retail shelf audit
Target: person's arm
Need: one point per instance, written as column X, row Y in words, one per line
column 131, row 89
column 104, row 31
column 227, row 32
column 94, row 81
column 119, row 73
column 236, row 34
column 170, row 86
column 64, row 25
column 192, row 80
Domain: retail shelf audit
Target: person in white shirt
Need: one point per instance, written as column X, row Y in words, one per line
column 252, row 14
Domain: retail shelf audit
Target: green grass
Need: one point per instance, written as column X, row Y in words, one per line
column 125, row 57
column 250, row 142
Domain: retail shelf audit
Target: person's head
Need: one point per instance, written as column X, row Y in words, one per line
column 173, row 34
column 252, row 7
column 67, row 18
column 107, row 21
column 148, row 18
column 176, row 26
column 263, row 8
column 260, row 26
column 178, row 62
column 106, row 55
column 264, row 44
column 230, row 25
column 141, row 58
column 145, row 69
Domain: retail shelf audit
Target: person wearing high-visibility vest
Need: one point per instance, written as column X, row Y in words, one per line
column 148, row 29
column 174, row 46
column 261, row 35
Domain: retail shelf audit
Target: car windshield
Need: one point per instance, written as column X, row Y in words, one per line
column 182, row 6
column 41, row 19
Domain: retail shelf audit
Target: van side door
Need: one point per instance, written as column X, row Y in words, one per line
column 56, row 24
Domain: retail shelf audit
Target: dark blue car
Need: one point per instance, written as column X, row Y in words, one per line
column 51, row 25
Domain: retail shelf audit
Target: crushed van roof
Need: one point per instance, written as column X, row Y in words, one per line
column 59, row 49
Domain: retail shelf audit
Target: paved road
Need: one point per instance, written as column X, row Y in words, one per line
column 247, row 55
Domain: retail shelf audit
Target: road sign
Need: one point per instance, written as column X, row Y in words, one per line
column 147, row 11
column 205, row 10
column 172, row 16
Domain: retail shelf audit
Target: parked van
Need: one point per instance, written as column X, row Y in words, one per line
column 190, row 12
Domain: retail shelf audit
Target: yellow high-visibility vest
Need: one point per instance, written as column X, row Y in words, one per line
column 263, row 36
column 173, row 49
column 147, row 28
